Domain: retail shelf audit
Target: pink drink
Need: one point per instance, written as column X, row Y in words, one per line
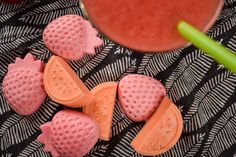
column 150, row 25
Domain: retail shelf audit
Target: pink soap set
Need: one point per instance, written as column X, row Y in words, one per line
column 140, row 96
column 71, row 133
column 71, row 37
column 23, row 85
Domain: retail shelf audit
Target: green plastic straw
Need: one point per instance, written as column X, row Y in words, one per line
column 208, row 45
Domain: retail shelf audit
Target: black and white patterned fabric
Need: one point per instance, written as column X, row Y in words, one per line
column 203, row 90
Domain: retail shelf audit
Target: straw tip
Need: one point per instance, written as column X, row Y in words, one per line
column 181, row 25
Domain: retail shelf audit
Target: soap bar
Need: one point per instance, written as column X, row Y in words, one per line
column 69, row 134
column 23, row 85
column 71, row 37
column 102, row 109
column 64, row 86
column 150, row 25
column 139, row 96
column 161, row 132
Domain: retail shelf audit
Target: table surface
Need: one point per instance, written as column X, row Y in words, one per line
column 203, row 90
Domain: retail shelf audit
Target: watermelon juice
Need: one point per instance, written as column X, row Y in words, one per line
column 150, row 25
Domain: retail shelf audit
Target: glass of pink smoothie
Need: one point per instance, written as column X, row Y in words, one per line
column 150, row 25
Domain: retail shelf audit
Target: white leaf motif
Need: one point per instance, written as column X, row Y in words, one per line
column 152, row 64
column 186, row 146
column 112, row 71
column 123, row 147
column 188, row 73
column 48, row 12
column 223, row 134
column 209, row 100
column 18, row 128
column 34, row 149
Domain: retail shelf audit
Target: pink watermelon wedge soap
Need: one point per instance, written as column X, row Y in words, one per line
column 64, row 86
column 150, row 25
column 140, row 96
column 69, row 134
column 71, row 37
column 161, row 132
column 23, row 85
column 102, row 109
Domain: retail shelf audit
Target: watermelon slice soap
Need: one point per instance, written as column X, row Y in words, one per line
column 64, row 86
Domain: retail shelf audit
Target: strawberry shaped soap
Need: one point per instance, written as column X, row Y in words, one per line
column 139, row 96
column 69, row 134
column 23, row 85
column 71, row 37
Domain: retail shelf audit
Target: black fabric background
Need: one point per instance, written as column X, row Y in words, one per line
column 202, row 89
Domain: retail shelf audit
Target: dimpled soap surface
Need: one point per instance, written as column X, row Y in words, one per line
column 139, row 96
column 161, row 132
column 71, row 37
column 150, row 25
column 69, row 134
column 64, row 86
column 23, row 85
column 102, row 109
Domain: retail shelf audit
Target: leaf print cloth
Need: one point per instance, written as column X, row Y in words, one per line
column 203, row 90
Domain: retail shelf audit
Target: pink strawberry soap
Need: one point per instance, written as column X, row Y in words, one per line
column 23, row 85
column 139, row 96
column 69, row 134
column 71, row 37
